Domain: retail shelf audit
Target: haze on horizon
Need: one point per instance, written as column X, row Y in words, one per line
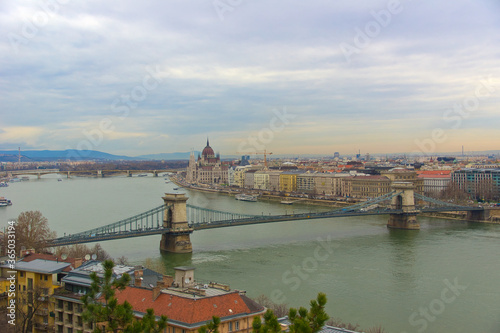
column 132, row 78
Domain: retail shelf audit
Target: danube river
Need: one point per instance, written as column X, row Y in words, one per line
column 443, row 278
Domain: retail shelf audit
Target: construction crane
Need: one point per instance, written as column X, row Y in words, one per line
column 265, row 153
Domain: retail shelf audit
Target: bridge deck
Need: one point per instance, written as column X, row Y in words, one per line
column 151, row 221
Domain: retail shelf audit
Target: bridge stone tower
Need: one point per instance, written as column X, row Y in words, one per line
column 404, row 201
column 177, row 239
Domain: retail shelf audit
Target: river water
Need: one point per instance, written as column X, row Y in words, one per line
column 443, row 278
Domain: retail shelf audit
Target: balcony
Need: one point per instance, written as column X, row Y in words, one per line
column 42, row 312
column 42, row 326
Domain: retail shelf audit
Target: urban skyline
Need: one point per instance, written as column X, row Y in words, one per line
column 293, row 78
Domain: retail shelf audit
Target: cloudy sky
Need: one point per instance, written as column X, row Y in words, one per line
column 292, row 77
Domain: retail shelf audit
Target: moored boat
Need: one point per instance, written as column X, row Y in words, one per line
column 5, row 202
column 246, row 197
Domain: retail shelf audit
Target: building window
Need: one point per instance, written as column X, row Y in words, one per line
column 46, row 278
column 21, row 274
column 236, row 325
column 230, row 326
column 59, row 304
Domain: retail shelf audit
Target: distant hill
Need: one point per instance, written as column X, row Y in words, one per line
column 81, row 155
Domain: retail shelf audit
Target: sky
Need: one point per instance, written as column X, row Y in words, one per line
column 289, row 77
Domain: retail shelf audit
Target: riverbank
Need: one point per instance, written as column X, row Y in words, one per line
column 265, row 195
column 459, row 216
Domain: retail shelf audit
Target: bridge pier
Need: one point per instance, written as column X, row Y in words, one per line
column 177, row 239
column 405, row 201
column 129, row 174
column 99, row 174
column 478, row 215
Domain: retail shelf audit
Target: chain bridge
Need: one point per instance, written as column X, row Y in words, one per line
column 175, row 220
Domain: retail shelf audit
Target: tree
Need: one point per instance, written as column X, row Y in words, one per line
column 101, row 307
column 28, row 302
column 211, row 326
column 80, row 250
column 271, row 324
column 454, row 192
column 280, row 310
column 32, row 231
column 312, row 321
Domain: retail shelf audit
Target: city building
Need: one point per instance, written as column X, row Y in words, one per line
column 288, row 181
column 239, row 175
column 478, row 183
column 190, row 305
column 305, row 183
column 36, row 281
column 68, row 306
column 329, row 184
column 208, row 168
column 367, row 186
column 249, row 181
column 261, row 180
column 435, row 181
column 274, row 180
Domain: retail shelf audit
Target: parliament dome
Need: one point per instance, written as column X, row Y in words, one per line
column 208, row 151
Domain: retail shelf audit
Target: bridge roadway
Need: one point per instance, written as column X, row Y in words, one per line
column 258, row 219
column 97, row 173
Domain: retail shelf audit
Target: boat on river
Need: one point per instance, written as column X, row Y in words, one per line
column 246, row 197
column 5, row 202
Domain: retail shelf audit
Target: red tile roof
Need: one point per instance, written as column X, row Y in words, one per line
column 434, row 176
column 434, row 172
column 188, row 310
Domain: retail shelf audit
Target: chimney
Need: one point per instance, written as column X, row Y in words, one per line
column 78, row 262
column 168, row 281
column 156, row 292
column 138, row 273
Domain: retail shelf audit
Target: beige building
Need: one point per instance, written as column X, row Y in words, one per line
column 261, row 180
column 366, row 186
column 239, row 175
column 274, row 180
column 208, row 169
column 329, row 183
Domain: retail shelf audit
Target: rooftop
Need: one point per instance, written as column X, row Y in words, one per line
column 189, row 310
column 40, row 266
column 326, row 329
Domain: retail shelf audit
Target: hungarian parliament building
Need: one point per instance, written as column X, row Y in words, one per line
column 208, row 168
